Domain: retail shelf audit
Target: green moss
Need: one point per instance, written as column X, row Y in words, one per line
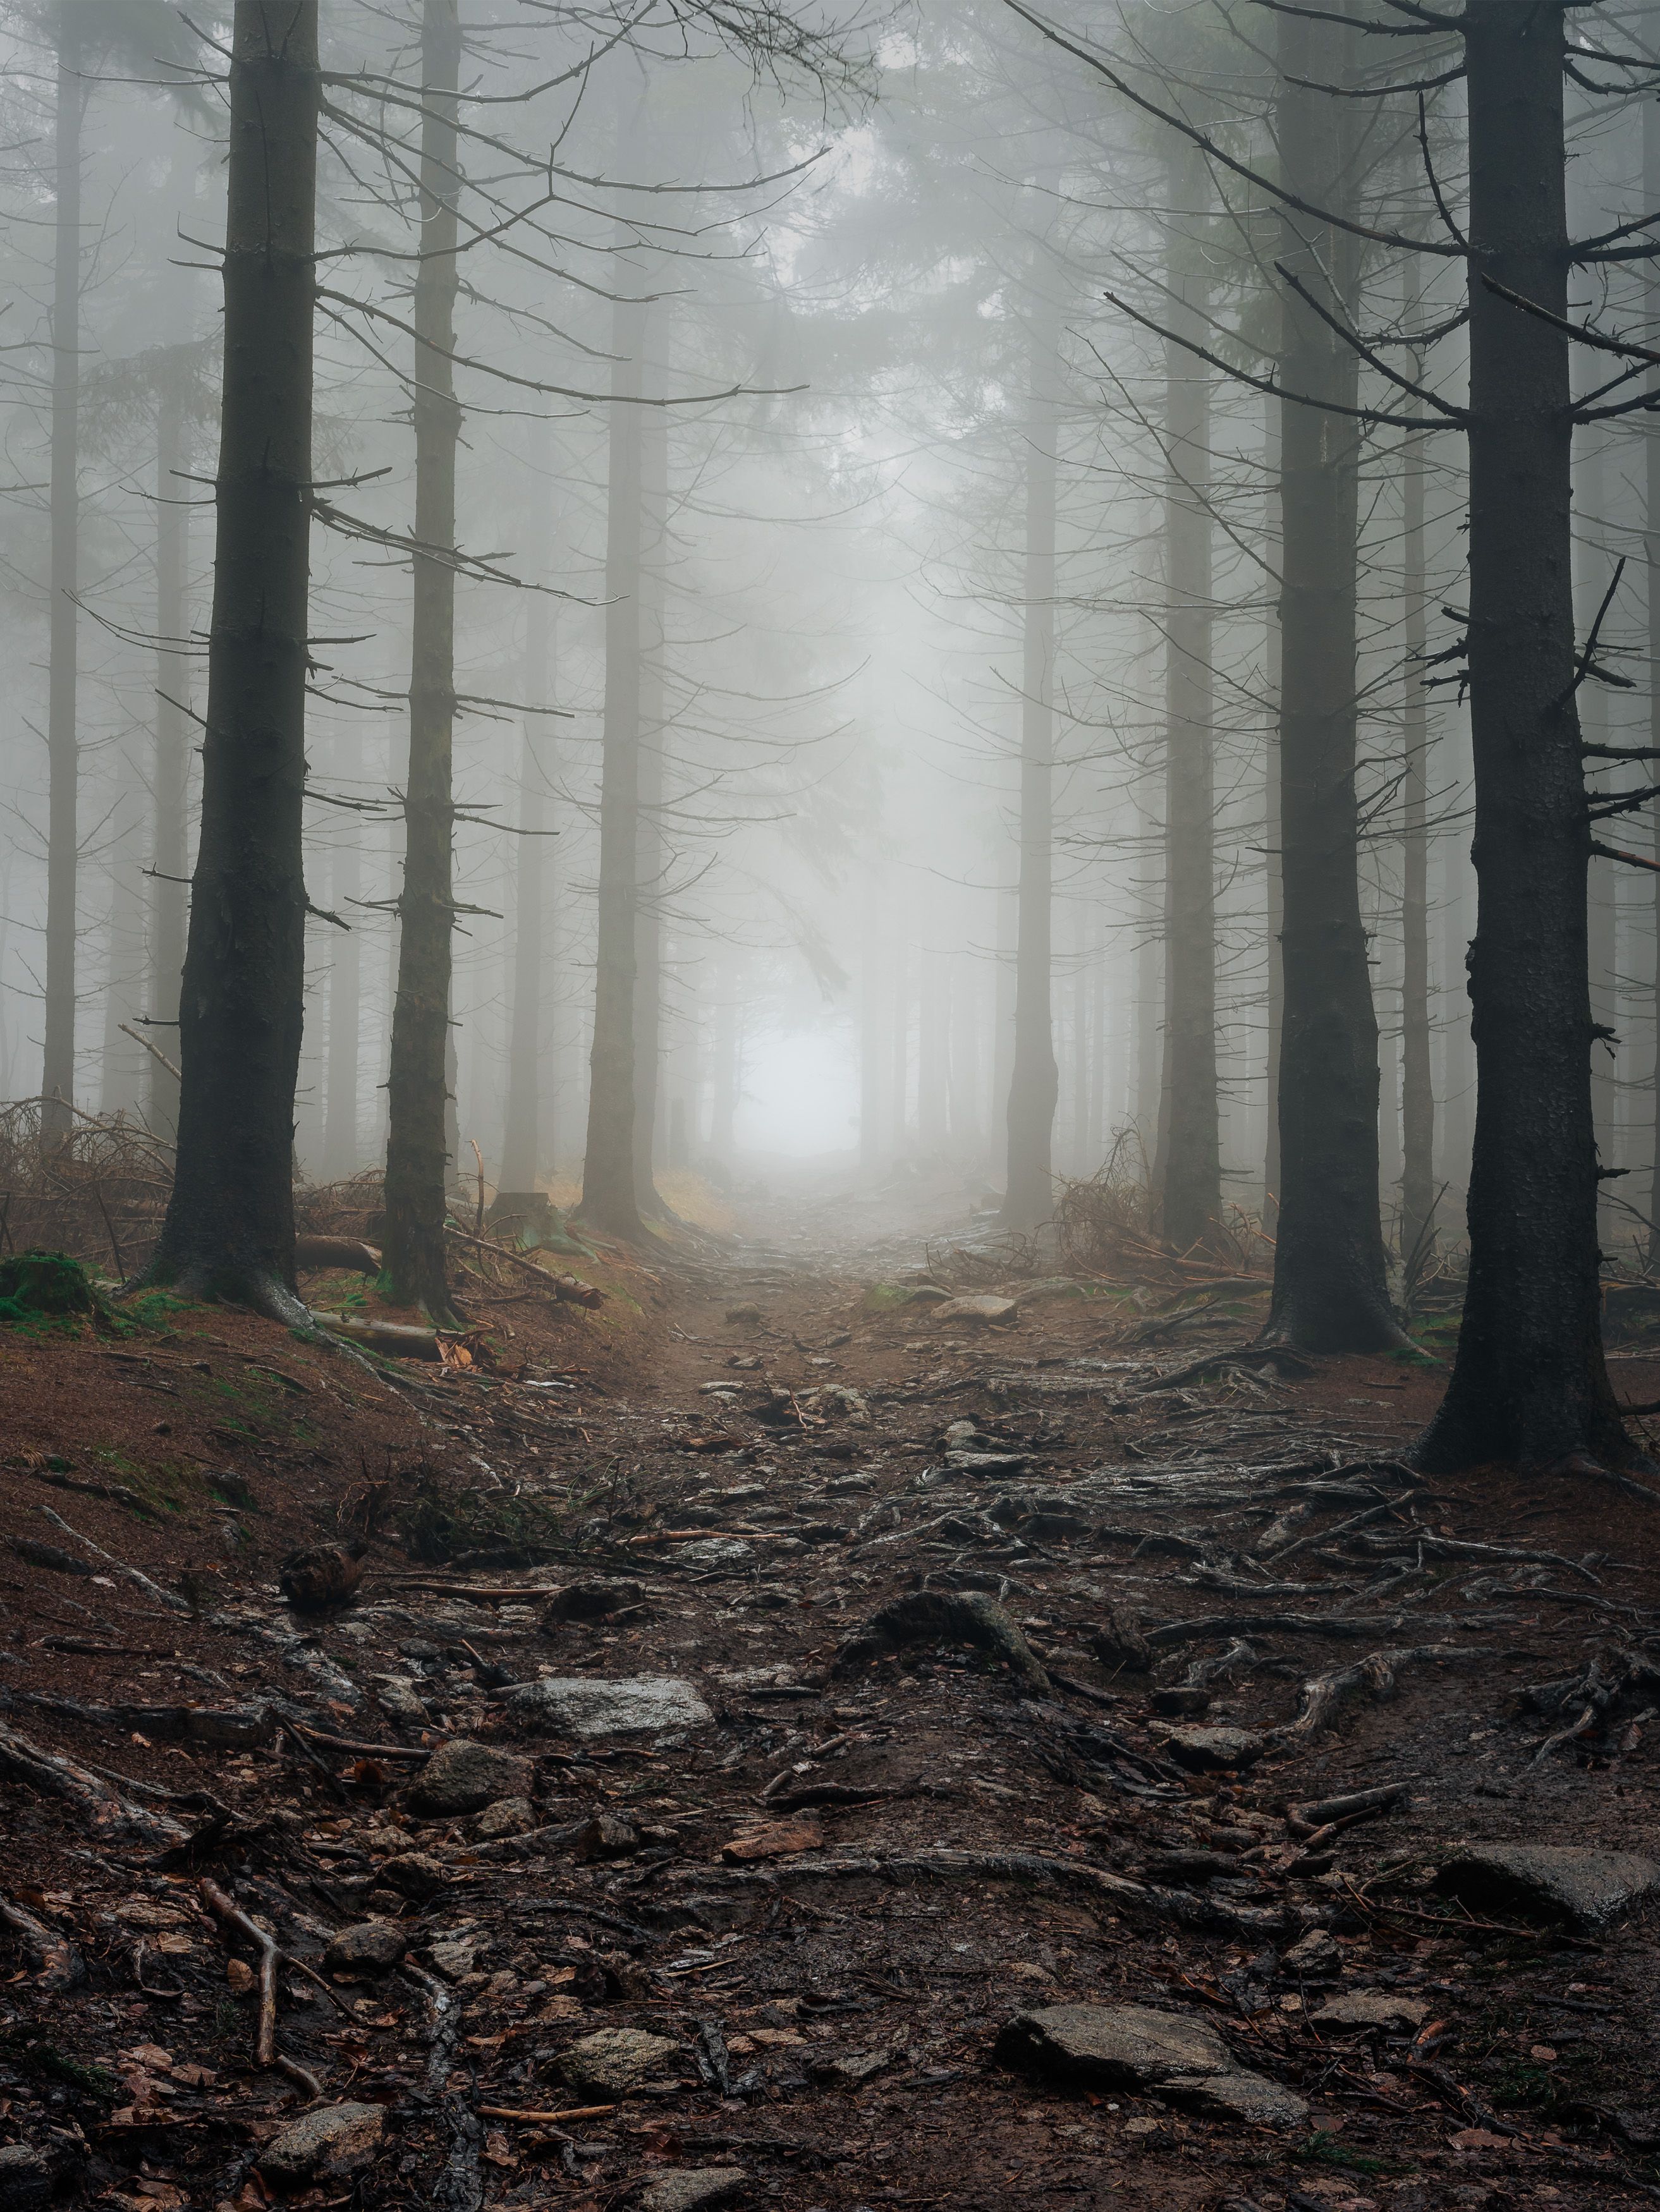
column 1323, row 2149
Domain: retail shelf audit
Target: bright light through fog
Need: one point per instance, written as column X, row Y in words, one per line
column 800, row 1093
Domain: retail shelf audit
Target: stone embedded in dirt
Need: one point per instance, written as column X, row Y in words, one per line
column 374, row 1947
column 965, row 1461
column 1551, row 1881
column 396, row 1700
column 944, row 1617
column 748, row 1311
column 607, row 1836
column 616, row 2060
column 324, row 2144
column 1372, row 2009
column 707, row 1554
column 1214, row 1750
column 693, row 2188
column 1132, row 2047
column 1119, row 1642
column 894, row 1297
column 508, row 1816
column 981, row 1308
column 778, row 1839
column 595, row 1598
column 462, row 1777
column 415, row 1874
column 27, row 2177
column 1314, row 1954
column 593, row 1705
column 851, row 2069
column 454, row 1957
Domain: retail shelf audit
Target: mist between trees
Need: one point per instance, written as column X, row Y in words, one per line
column 613, row 601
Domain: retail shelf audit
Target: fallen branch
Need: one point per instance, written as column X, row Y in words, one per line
column 106, row 1810
column 58, row 1965
column 134, row 1575
column 314, row 1254
column 271, row 1955
column 545, row 2120
column 569, row 1290
column 1325, row 1816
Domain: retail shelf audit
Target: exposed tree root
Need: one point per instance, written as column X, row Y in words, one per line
column 1324, row 1695
column 167, row 1600
column 57, row 1964
column 107, row 1812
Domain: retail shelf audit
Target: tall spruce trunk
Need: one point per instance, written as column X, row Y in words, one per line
column 1034, row 1076
column 63, row 735
column 230, row 1226
column 1273, row 889
column 170, row 834
column 1188, row 1168
column 418, row 1085
column 1417, row 1095
column 1652, row 553
column 1330, row 1284
column 610, row 1194
column 345, row 992
column 652, row 851
column 1529, row 1384
column 524, row 1138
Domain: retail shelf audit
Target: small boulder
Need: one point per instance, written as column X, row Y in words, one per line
column 1372, row 2009
column 591, row 1705
column 396, row 1698
column 372, row 1946
column 982, row 1309
column 324, row 2144
column 454, row 1957
column 1214, row 1750
column 1242, row 2096
column 1119, row 1642
column 508, row 1816
column 607, row 1836
column 749, row 1311
column 615, row 2060
column 1315, row 1955
column 705, row 1554
column 1548, row 1882
column 693, row 2188
column 774, row 1839
column 596, row 1598
column 415, row 1874
column 28, row 2177
column 931, row 1616
column 1132, row 2047
column 462, row 1777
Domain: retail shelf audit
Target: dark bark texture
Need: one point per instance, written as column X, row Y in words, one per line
column 63, row 735
column 230, row 1226
column 1417, row 1095
column 419, row 1150
column 1331, row 1285
column 170, row 841
column 1529, row 1384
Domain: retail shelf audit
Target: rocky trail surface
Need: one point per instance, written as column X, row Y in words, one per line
column 807, row 1736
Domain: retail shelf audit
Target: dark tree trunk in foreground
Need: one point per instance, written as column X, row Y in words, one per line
column 1330, row 1286
column 418, row 1086
column 1529, row 1384
column 1417, row 1097
column 1651, row 554
column 609, row 1198
column 1187, row 1172
column 62, row 738
column 1276, row 898
column 1035, row 1078
column 230, row 1226
column 170, row 839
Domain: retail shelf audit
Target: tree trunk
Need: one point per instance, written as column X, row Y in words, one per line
column 1330, row 1284
column 62, row 736
column 345, row 989
column 1652, row 553
column 1529, row 1384
column 1188, row 1171
column 1034, row 1080
column 418, row 1084
column 610, row 1194
column 1417, row 1096
column 870, row 1031
column 1273, row 887
column 170, row 837
column 230, row 1226
column 651, row 859
column 523, row 1143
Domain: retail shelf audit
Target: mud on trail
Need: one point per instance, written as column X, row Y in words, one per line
column 789, row 1738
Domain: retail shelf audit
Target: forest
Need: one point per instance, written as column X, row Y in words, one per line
column 830, row 901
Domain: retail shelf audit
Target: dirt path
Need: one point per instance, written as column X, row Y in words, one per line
column 801, row 1875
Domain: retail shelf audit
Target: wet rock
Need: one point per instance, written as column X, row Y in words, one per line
column 709, row 1553
column 982, row 1310
column 1214, row 1750
column 324, row 2144
column 1131, row 2047
column 616, row 2060
column 454, row 1957
column 607, row 1837
column 693, row 2188
column 1372, row 2009
column 396, row 1700
column 968, row 1462
column 374, row 1947
column 851, row 2069
column 1119, row 1642
column 462, row 1777
column 596, row 1598
column 1314, row 1955
column 637, row 1704
column 508, row 1816
column 934, row 1616
column 27, row 2176
column 415, row 1874
column 1550, row 1881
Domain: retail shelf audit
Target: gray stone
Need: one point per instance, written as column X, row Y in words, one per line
column 462, row 1777
column 1551, row 1881
column 692, row 2188
column 607, row 1836
column 982, row 1308
column 453, row 1958
column 1372, row 2009
column 508, row 1816
column 1130, row 2047
column 1214, row 1750
column 708, row 1553
column 27, row 2177
column 591, row 1706
column 324, row 2144
column 616, row 2060
column 1316, row 1953
column 374, row 1947
column 1241, row 2096
column 415, row 1874
column 397, row 1698
column 851, row 2069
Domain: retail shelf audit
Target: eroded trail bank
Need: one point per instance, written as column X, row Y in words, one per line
column 791, row 1746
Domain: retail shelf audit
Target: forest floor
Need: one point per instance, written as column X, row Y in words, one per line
column 757, row 1924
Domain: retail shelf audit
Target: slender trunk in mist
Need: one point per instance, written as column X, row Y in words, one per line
column 870, row 1033
column 230, row 1226
column 345, row 992
column 1330, row 1284
column 1272, row 657
column 651, row 855
column 1417, row 1096
column 1188, row 1171
column 522, row 1142
column 1035, row 1078
column 610, row 1194
column 170, row 834
column 899, row 958
column 1592, row 566
column 62, row 739
column 419, row 1081
column 1529, row 1383
column 1652, row 552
